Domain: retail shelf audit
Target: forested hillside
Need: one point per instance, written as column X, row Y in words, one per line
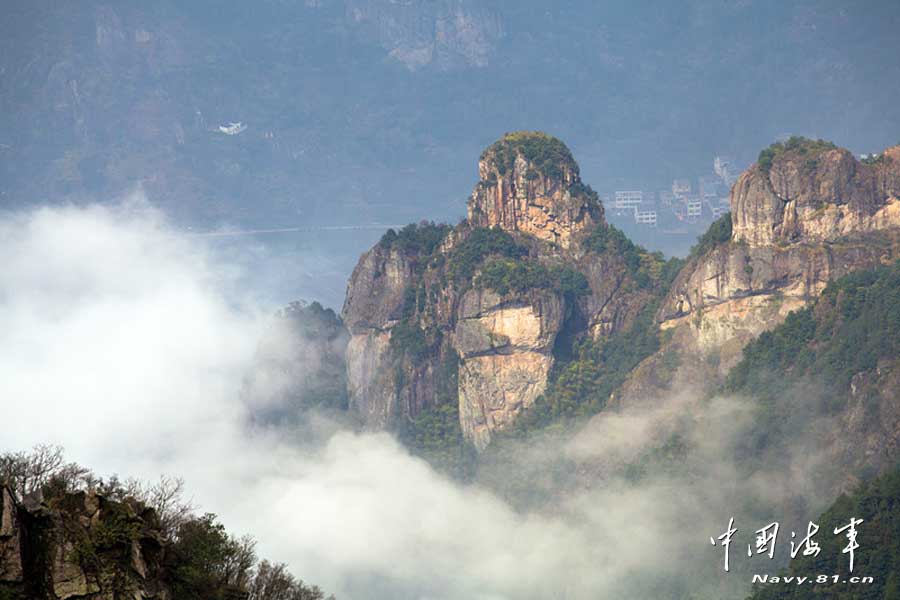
column 877, row 503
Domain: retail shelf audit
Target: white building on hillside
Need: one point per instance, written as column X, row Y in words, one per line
column 627, row 201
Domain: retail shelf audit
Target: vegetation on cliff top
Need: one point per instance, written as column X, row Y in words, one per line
column 481, row 243
column 420, row 239
column 852, row 325
column 795, row 144
column 649, row 269
column 508, row 275
column 547, row 154
column 719, row 232
column 201, row 561
column 410, row 340
column 316, row 335
column 878, row 556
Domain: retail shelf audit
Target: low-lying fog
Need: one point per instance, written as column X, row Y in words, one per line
column 126, row 341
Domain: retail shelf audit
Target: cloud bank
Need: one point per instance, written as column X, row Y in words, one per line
column 127, row 342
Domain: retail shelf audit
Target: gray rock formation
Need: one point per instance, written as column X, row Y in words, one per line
column 505, row 349
column 501, row 344
column 812, row 215
column 529, row 182
column 80, row 545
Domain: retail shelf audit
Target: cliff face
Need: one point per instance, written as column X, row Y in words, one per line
column 807, row 214
column 815, row 194
column 505, row 350
column 531, row 184
column 80, row 546
column 445, row 34
column 802, row 218
column 374, row 304
column 479, row 309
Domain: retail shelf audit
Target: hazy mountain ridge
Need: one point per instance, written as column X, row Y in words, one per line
column 333, row 113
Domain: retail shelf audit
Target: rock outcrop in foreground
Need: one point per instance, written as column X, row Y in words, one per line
column 80, row 546
column 468, row 318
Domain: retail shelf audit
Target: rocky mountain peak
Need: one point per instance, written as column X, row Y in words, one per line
column 805, row 214
column 812, row 191
column 529, row 182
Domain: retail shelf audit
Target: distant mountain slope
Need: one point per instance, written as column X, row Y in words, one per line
column 367, row 111
column 836, row 359
column 878, row 555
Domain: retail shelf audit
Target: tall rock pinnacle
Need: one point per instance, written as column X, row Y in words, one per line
column 529, row 182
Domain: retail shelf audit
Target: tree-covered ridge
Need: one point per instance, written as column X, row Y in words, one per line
column 649, row 269
column 719, row 232
column 798, row 145
column 198, row 558
column 420, row 239
column 878, row 556
column 547, row 154
column 815, row 353
column 852, row 325
column 519, row 276
column 481, row 243
column 312, row 320
column 300, row 335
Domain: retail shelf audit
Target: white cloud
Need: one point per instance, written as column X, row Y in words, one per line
column 127, row 342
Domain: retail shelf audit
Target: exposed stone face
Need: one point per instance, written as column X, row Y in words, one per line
column 502, row 346
column 816, row 199
column 518, row 194
column 374, row 303
column 505, row 350
column 810, row 219
column 446, row 34
column 10, row 548
column 737, row 291
column 43, row 556
column 807, row 220
column 370, row 377
column 613, row 302
column 375, row 292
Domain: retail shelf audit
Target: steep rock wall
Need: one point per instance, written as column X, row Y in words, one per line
column 815, row 196
column 409, row 310
column 811, row 215
column 505, row 349
column 544, row 199
column 82, row 546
